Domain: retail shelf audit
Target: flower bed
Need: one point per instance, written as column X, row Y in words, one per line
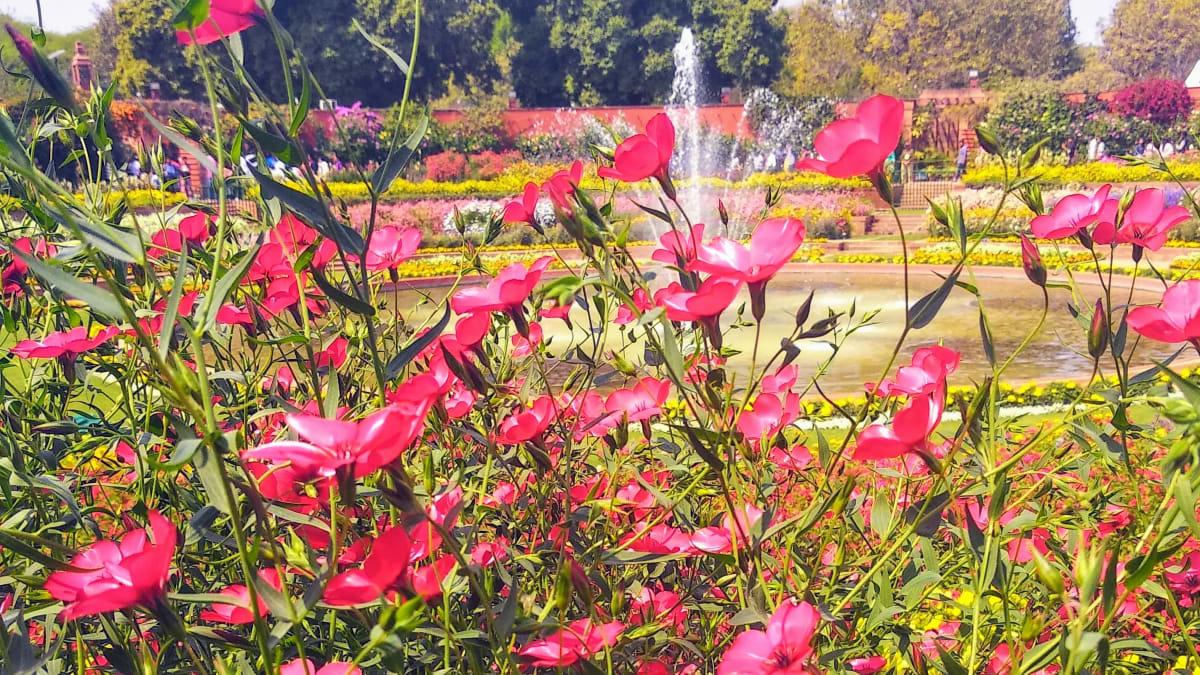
column 271, row 463
column 1094, row 173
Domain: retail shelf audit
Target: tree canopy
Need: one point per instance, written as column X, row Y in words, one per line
column 1153, row 38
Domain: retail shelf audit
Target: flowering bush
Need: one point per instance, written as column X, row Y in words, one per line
column 1092, row 173
column 1162, row 102
column 226, row 456
column 446, row 166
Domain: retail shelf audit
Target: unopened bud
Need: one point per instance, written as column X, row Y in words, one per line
column 1098, row 332
column 723, row 213
column 1031, row 260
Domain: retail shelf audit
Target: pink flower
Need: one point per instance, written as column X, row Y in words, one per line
column 508, row 290
column 784, row 648
column 527, row 423
column 13, row 273
column 443, row 510
column 909, row 431
column 1187, row 579
column 644, row 155
column 1146, row 222
column 641, row 302
column 523, row 210
column 1074, row 213
column 333, row 444
column 225, row 17
column 927, row 374
column 487, row 552
column 391, row 246
column 713, row 296
column 720, row 539
column 772, row 246
column 561, row 187
column 578, row 640
column 679, row 248
column 427, row 581
column 306, row 667
column 641, row 402
column 866, row 666
column 859, row 145
column 1178, row 320
column 63, row 343
column 660, row 539
column 132, row 573
column 769, row 415
column 240, row 613
column 383, row 567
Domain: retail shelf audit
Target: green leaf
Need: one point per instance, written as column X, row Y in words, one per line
column 342, row 298
column 18, row 546
column 12, row 146
column 391, row 54
column 210, row 477
column 406, row 355
column 312, row 212
column 172, row 313
column 926, row 309
column 301, row 111
column 179, row 140
column 192, row 15
column 98, row 299
column 398, row 158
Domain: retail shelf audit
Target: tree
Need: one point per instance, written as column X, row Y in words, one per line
column 147, row 51
column 901, row 47
column 742, row 41
column 821, row 56
column 1153, row 38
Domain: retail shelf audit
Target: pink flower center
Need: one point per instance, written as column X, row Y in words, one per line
column 783, row 657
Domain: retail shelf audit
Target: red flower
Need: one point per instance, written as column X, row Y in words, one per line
column 772, row 246
column 644, row 155
column 132, row 573
column 196, row 228
column 68, row 343
column 240, row 613
column 527, row 423
column 579, row 640
column 1146, row 222
column 506, row 291
column 333, row 444
column 383, row 567
column 720, row 539
column 641, row 302
column 225, row 17
column 784, row 648
column 1074, row 213
column 909, row 431
column 427, row 581
column 858, row 146
column 391, row 246
column 306, row 667
column 713, row 296
column 1178, row 320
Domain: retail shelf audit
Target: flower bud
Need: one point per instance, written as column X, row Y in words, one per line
column 988, row 141
column 1098, row 332
column 1031, row 260
column 723, row 213
column 42, row 70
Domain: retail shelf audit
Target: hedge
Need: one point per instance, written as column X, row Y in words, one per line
column 1094, row 172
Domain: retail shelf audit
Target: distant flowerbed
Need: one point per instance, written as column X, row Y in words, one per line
column 1113, row 171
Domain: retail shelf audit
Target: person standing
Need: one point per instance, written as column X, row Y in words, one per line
column 960, row 167
column 906, row 166
column 1093, row 149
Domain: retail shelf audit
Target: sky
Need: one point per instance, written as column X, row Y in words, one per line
column 64, row 16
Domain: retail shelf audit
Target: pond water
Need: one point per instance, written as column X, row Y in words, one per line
column 1013, row 305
